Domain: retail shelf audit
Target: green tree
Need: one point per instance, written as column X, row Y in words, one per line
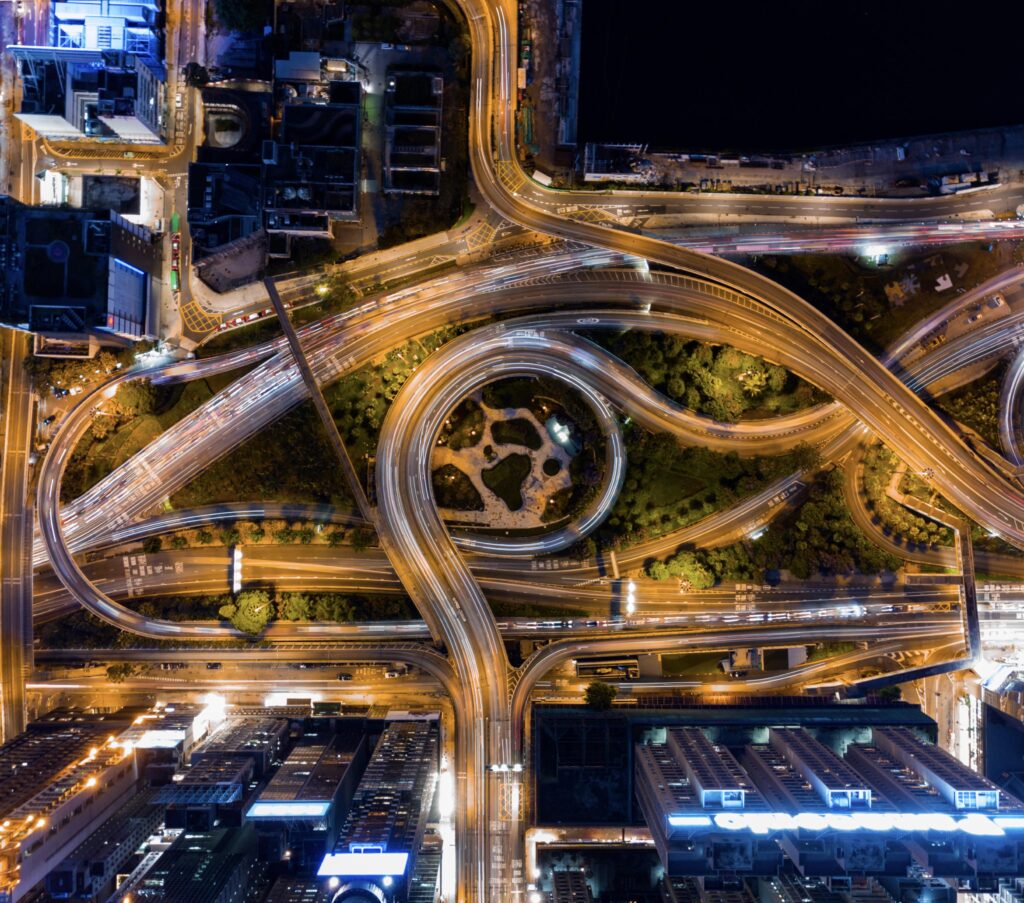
column 333, row 607
column 361, row 539
column 152, row 544
column 204, row 537
column 120, row 672
column 230, row 536
column 599, row 695
column 179, row 542
column 294, row 607
column 135, row 397
column 250, row 612
column 284, row 536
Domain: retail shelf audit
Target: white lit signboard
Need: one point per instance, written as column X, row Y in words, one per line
column 873, row 822
column 288, row 809
column 363, row 865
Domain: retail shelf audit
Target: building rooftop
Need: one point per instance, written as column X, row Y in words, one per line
column 818, row 763
column 714, row 774
column 261, row 739
column 396, row 789
column 198, row 866
column 219, row 779
column 73, row 271
column 961, row 786
column 315, row 767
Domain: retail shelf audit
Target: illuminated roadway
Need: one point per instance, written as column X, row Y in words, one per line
column 758, row 323
column 16, row 409
column 430, row 567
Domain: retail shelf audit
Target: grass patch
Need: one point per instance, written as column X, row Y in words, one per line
column 463, row 428
column 453, row 489
column 289, row 461
column 692, row 664
column 851, row 291
column 517, row 431
column 879, row 465
column 829, row 650
column 360, row 400
column 505, row 479
column 819, row 537
column 119, row 435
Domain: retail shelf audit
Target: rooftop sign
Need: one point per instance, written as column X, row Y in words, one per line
column 874, row 822
column 363, row 865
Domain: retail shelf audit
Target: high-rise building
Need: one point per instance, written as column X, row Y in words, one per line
column 89, row 872
column 58, row 782
column 77, row 93
column 300, row 810
column 218, row 866
column 80, row 278
column 375, row 857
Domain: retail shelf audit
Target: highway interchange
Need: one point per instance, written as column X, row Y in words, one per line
column 593, row 277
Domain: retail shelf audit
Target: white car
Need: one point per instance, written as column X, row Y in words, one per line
column 179, row 99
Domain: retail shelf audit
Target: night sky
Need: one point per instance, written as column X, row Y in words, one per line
column 793, row 74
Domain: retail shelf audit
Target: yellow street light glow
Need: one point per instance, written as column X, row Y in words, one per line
column 321, row 289
column 91, row 781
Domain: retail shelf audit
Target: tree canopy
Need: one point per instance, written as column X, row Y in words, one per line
column 600, row 695
column 250, row 612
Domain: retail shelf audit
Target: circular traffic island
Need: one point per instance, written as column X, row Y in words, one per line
column 531, row 449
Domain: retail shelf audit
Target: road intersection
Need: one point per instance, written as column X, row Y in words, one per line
column 588, row 279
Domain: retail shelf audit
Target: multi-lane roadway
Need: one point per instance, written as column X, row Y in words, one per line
column 706, row 297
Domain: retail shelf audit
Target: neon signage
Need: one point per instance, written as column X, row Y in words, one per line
column 975, row 824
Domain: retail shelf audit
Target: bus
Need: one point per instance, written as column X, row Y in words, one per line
column 175, row 284
column 624, row 668
column 175, row 222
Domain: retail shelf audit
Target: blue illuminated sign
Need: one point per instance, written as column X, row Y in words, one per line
column 975, row 824
column 288, row 809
